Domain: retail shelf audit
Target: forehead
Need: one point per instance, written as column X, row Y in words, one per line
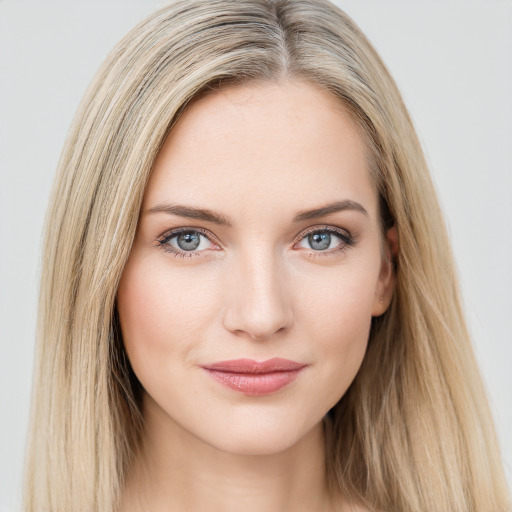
column 274, row 144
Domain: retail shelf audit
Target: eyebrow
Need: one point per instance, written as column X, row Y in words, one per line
column 338, row 206
column 191, row 212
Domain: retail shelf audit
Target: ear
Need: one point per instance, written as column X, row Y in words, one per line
column 386, row 283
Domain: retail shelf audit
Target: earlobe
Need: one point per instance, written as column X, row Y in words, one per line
column 386, row 283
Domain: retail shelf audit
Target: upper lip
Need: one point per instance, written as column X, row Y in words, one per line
column 276, row 364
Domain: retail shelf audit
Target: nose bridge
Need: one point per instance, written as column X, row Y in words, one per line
column 259, row 304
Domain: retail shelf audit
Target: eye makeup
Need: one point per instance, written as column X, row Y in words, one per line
column 170, row 241
column 319, row 241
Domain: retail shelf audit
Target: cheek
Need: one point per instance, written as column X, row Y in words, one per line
column 161, row 314
column 339, row 302
column 339, row 320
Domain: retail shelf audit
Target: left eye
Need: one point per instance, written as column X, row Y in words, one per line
column 323, row 240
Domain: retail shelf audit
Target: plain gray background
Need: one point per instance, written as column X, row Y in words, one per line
column 451, row 59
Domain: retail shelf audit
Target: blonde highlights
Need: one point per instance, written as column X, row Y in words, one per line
column 413, row 433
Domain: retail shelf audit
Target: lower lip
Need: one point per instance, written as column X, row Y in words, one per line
column 255, row 384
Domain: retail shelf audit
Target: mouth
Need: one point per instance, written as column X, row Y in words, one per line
column 255, row 378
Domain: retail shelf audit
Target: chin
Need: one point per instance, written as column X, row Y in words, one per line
column 262, row 438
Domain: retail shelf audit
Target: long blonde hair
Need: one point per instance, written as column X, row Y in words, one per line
column 413, row 432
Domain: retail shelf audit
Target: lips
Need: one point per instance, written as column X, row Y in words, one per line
column 255, row 378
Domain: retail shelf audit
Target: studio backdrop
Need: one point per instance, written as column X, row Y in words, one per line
column 452, row 61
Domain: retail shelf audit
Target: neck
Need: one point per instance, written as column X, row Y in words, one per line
column 177, row 471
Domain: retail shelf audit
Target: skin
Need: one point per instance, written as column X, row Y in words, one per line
column 257, row 289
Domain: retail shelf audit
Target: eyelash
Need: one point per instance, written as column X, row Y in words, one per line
column 347, row 240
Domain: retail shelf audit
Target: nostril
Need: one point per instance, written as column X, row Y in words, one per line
column 246, row 322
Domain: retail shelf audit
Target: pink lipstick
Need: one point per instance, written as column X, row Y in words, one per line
column 255, row 378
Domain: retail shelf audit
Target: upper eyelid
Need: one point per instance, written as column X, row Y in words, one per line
column 176, row 231
column 326, row 227
column 208, row 234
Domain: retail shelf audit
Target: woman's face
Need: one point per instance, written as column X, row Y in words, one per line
column 259, row 238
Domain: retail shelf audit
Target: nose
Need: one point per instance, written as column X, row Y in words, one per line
column 258, row 297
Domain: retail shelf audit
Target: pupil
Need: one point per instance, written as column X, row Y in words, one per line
column 319, row 241
column 188, row 241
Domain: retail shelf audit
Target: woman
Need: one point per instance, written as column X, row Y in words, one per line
column 248, row 296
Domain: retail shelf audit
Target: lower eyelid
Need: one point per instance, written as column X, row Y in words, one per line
column 346, row 240
column 163, row 242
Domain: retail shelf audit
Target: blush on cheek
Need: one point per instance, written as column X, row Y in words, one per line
column 138, row 315
column 161, row 311
column 341, row 330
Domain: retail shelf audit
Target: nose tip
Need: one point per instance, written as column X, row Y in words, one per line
column 259, row 305
column 258, row 331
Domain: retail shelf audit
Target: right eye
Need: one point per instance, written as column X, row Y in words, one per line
column 186, row 242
